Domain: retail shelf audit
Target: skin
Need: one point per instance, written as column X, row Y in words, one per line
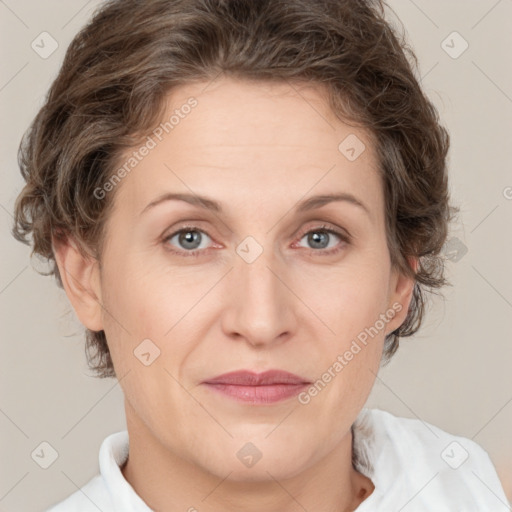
column 258, row 149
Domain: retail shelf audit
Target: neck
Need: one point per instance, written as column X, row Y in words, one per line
column 161, row 478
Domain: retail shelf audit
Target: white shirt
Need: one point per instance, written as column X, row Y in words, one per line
column 415, row 467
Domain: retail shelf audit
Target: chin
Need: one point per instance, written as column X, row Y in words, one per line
column 258, row 462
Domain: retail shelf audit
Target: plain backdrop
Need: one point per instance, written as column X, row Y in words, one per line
column 456, row 373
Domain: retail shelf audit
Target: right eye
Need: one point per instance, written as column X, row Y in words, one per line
column 189, row 238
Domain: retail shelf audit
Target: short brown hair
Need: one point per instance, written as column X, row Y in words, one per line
column 119, row 68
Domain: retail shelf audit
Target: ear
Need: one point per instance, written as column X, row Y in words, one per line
column 400, row 297
column 81, row 281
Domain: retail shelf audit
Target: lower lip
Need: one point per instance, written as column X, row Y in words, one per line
column 258, row 394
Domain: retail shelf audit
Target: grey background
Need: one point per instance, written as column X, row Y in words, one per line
column 455, row 374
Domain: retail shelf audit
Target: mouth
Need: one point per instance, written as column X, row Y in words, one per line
column 258, row 388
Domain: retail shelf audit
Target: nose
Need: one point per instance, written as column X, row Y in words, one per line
column 261, row 308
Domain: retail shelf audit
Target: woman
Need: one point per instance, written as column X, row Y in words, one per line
column 245, row 203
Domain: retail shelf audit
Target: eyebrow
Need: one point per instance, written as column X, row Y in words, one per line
column 209, row 204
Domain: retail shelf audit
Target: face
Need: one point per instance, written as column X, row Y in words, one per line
column 190, row 293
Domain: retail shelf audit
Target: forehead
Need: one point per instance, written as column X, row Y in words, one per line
column 244, row 113
column 257, row 140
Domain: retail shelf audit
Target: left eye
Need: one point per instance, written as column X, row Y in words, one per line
column 318, row 237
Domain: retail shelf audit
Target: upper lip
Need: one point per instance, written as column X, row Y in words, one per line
column 250, row 378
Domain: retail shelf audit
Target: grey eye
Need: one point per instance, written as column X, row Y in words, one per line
column 320, row 238
column 188, row 239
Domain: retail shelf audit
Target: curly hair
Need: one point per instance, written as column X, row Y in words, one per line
column 111, row 88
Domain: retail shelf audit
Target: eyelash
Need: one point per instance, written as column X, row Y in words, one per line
column 325, row 252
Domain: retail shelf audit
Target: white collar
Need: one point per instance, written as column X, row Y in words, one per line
column 403, row 457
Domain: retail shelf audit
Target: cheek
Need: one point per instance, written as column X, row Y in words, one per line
column 352, row 297
column 135, row 292
column 129, row 309
column 355, row 300
column 353, row 303
column 145, row 301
